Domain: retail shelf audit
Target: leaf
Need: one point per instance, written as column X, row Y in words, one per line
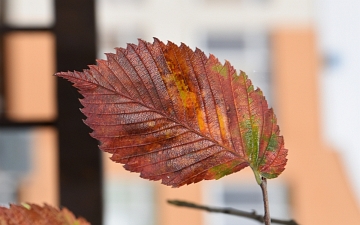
column 174, row 114
column 31, row 214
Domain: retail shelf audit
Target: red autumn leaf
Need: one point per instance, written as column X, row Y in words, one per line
column 174, row 114
column 31, row 214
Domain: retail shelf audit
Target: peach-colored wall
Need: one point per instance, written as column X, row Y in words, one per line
column 29, row 64
column 320, row 191
column 168, row 214
column 41, row 183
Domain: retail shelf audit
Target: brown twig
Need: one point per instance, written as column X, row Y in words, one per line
column 231, row 211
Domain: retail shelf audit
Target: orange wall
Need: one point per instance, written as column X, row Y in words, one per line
column 29, row 64
column 41, row 183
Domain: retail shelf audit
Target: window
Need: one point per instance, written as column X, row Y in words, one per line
column 125, row 198
column 247, row 51
column 14, row 161
column 247, row 197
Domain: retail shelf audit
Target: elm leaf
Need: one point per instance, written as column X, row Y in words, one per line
column 176, row 115
column 32, row 214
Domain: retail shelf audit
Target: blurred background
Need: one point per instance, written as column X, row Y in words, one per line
column 302, row 53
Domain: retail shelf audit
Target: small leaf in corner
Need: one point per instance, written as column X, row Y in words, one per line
column 33, row 214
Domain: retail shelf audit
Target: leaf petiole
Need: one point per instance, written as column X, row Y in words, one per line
column 263, row 186
column 258, row 177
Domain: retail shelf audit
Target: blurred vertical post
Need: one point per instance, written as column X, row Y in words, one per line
column 79, row 156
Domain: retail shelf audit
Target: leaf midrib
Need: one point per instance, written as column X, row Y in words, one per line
column 162, row 114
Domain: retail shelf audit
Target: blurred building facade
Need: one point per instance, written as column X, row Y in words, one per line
column 274, row 41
